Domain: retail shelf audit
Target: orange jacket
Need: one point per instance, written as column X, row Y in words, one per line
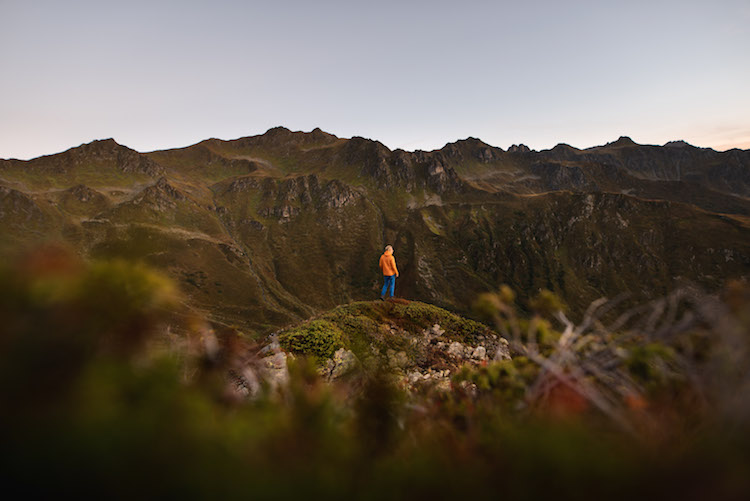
column 388, row 264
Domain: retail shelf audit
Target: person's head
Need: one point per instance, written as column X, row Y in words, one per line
column 388, row 248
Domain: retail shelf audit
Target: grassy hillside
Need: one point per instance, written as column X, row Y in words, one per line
column 265, row 231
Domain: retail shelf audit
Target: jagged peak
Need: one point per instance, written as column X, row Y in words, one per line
column 680, row 143
column 469, row 141
column 106, row 152
column 564, row 147
column 278, row 130
column 472, row 140
column 106, row 141
column 99, row 145
column 281, row 131
column 282, row 136
column 319, row 133
column 622, row 141
column 471, row 147
column 519, row 148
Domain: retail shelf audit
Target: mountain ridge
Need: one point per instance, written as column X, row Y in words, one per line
column 318, row 133
column 264, row 231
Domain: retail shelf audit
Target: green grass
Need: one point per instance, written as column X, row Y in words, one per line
column 89, row 174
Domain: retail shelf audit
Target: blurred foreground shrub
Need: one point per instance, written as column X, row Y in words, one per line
column 88, row 408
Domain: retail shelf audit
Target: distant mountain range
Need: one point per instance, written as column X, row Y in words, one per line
column 265, row 230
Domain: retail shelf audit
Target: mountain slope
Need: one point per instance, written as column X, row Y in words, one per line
column 266, row 230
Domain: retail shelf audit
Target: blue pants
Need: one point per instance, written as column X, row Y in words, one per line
column 390, row 283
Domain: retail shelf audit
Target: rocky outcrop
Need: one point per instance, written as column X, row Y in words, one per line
column 373, row 160
column 82, row 200
column 285, row 199
column 155, row 202
column 342, row 363
column 336, row 194
column 441, row 178
column 281, row 213
column 244, row 184
column 161, row 196
column 471, row 149
column 398, row 338
column 19, row 212
column 439, row 357
column 431, row 359
column 267, row 371
column 519, row 148
column 562, row 177
column 84, row 194
column 404, row 170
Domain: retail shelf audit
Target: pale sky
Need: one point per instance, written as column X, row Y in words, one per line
column 411, row 74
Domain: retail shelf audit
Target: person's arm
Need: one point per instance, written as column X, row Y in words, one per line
column 394, row 265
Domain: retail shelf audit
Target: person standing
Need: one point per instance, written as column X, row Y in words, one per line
column 390, row 272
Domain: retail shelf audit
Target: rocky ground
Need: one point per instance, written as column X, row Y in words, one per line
column 418, row 357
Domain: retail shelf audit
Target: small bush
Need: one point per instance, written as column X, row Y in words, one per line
column 319, row 338
column 649, row 364
column 546, row 303
column 505, row 380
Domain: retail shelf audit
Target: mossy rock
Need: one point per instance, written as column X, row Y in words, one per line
column 368, row 317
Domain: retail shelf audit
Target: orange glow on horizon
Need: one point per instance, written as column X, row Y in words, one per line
column 742, row 144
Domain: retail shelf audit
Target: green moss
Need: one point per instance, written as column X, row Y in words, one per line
column 359, row 330
column 363, row 324
column 319, row 338
column 421, row 315
column 360, row 308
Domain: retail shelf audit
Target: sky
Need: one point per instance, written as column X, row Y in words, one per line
column 411, row 74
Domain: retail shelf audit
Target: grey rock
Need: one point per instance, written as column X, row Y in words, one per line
column 457, row 350
column 479, row 353
column 344, row 362
column 397, row 360
column 274, row 370
column 502, row 352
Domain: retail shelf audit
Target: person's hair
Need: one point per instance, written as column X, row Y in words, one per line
column 388, row 247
